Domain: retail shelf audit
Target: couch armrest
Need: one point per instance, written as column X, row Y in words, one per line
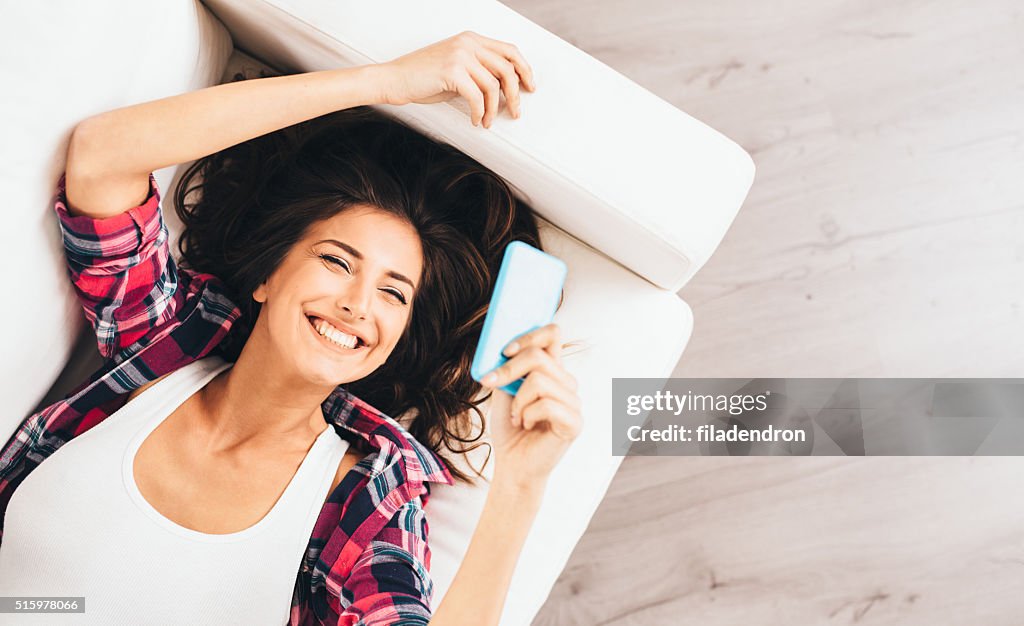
column 603, row 158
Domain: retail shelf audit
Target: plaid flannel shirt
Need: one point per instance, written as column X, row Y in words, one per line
column 367, row 561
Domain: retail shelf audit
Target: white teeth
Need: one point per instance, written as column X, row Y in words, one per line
column 327, row 330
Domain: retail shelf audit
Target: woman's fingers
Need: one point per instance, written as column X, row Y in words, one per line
column 491, row 89
column 541, row 385
column 554, row 347
column 502, row 67
column 530, row 359
column 563, row 421
column 548, row 337
column 511, row 52
column 468, row 89
column 478, row 68
column 506, row 72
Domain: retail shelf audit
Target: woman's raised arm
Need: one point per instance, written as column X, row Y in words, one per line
column 111, row 155
column 530, row 434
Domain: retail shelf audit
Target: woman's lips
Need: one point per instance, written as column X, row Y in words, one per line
column 316, row 319
column 330, row 343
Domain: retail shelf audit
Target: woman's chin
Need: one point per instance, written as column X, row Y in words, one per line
column 331, row 371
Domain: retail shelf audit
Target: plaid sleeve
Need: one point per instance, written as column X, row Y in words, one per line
column 121, row 269
column 390, row 582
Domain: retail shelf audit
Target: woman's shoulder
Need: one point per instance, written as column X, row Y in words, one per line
column 349, row 460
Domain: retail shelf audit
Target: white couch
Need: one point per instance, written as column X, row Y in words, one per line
column 635, row 196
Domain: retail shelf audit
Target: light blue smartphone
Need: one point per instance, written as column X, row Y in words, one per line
column 526, row 295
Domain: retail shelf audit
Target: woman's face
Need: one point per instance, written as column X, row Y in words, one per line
column 353, row 275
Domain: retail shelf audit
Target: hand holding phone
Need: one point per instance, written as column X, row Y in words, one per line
column 526, row 295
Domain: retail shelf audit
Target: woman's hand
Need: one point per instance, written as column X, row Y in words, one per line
column 531, row 430
column 476, row 67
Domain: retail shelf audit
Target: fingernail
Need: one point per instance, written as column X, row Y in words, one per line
column 512, row 348
column 489, row 379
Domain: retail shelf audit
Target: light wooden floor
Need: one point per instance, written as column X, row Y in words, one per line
column 884, row 236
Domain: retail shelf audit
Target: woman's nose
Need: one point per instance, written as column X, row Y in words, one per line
column 356, row 301
column 355, row 312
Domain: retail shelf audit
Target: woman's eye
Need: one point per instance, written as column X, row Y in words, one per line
column 397, row 294
column 342, row 263
column 335, row 260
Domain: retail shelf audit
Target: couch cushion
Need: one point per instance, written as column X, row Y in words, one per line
column 64, row 61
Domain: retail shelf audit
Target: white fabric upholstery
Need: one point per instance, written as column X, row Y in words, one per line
column 63, row 61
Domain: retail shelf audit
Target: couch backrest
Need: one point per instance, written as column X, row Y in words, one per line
column 601, row 157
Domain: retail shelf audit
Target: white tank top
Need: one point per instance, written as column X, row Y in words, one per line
column 78, row 526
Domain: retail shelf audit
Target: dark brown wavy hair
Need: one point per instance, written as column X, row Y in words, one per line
column 245, row 207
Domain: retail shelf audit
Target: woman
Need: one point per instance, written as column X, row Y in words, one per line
column 325, row 282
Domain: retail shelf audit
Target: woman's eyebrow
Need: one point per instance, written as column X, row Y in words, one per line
column 359, row 255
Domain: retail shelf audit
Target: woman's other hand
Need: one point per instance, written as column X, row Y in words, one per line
column 531, row 430
column 470, row 65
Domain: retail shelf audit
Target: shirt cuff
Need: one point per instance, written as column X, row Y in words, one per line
column 120, row 233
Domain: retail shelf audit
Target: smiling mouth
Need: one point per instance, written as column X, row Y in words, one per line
column 332, row 337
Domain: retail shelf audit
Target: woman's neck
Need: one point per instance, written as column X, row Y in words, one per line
column 256, row 404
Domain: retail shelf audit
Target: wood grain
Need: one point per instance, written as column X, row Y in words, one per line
column 884, row 236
